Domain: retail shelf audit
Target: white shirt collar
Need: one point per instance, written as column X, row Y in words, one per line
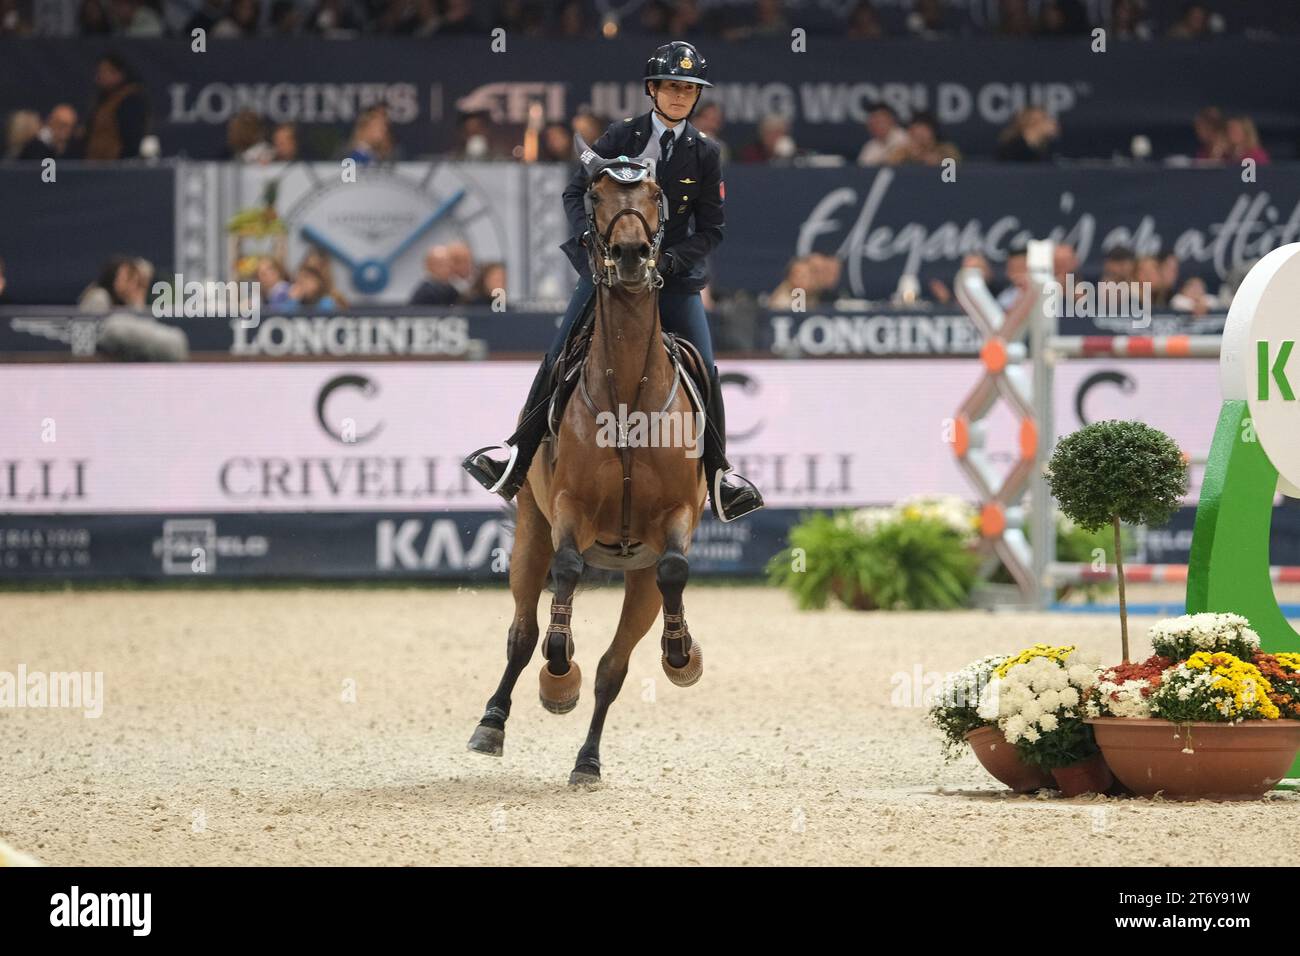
column 660, row 127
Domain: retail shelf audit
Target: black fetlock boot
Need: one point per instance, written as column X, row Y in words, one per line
column 731, row 495
column 505, row 478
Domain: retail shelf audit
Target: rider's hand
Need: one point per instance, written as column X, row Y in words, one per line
column 667, row 262
column 582, row 239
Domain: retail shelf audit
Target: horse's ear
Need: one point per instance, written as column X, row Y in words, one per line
column 586, row 155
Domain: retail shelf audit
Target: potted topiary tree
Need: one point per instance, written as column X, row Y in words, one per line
column 1114, row 472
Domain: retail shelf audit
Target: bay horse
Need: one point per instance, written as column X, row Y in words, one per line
column 607, row 503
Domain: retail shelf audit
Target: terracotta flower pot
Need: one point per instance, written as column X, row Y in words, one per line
column 1087, row 776
column 847, row 590
column 1201, row 760
column 1001, row 760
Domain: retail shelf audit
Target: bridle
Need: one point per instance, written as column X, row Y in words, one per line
column 625, row 172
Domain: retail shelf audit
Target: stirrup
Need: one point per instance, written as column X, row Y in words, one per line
column 745, row 500
column 482, row 473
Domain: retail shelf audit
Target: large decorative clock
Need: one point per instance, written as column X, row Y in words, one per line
column 377, row 228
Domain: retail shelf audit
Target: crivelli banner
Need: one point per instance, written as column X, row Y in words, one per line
column 973, row 86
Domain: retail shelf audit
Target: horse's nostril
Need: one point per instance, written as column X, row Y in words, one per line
column 643, row 250
column 616, row 251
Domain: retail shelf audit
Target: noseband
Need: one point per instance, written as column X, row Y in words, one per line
column 603, row 266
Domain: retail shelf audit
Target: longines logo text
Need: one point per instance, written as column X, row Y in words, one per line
column 353, row 335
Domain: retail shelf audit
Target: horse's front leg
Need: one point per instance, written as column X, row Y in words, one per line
column 683, row 659
column 530, row 559
column 640, row 605
column 560, row 679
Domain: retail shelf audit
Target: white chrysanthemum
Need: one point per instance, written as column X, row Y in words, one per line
column 1048, row 722
column 1031, row 734
column 1068, row 697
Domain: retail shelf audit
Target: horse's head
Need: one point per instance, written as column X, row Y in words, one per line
column 626, row 213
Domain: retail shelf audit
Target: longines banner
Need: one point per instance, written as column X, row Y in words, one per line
column 478, row 332
column 1102, row 99
column 294, row 437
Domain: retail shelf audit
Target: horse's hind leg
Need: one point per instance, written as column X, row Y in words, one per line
column 529, row 561
column 560, row 680
column 640, row 605
column 683, row 658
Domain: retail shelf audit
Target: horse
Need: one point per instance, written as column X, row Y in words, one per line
column 615, row 503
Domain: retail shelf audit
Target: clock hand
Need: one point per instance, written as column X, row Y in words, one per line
column 316, row 237
column 447, row 206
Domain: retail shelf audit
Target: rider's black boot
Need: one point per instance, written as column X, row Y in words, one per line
column 506, row 477
column 731, row 495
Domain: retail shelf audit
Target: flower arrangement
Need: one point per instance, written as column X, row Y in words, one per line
column 1036, row 698
column 1178, row 638
column 1213, row 687
column 1282, row 671
column 915, row 555
column 1125, row 690
column 956, row 711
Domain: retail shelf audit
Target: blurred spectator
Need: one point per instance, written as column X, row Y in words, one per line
column 708, row 119
column 864, row 22
column 120, row 117
column 204, row 18
column 458, row 19
column 54, row 137
column 436, row 289
column 1126, row 21
column 922, row 145
column 768, row 21
column 119, row 285
column 284, row 143
column 573, row 21
column 774, row 141
column 318, row 261
column 887, row 137
column 334, row 18
column 799, row 274
column 23, row 128
column 826, row 270
column 1118, row 265
column 556, row 144
column 92, row 19
column 1029, row 137
column 1168, row 272
column 491, row 278
column 1014, row 19
column 1148, row 273
column 285, row 19
column 1243, row 141
column 1211, row 132
column 462, row 267
column 1194, row 298
column 13, row 22
column 474, row 135
column 134, row 18
column 2, row 278
column 1062, row 18
column 589, row 126
column 926, row 20
column 372, row 138
column 1017, row 277
column 246, row 139
column 244, row 20
column 274, row 286
column 310, row 290
column 684, row 18
column 1194, row 24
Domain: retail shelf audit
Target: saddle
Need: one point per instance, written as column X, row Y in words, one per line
column 566, row 374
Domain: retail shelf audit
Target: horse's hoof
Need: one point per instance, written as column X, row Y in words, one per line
column 584, row 778
column 487, row 740
column 560, row 694
column 690, row 672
